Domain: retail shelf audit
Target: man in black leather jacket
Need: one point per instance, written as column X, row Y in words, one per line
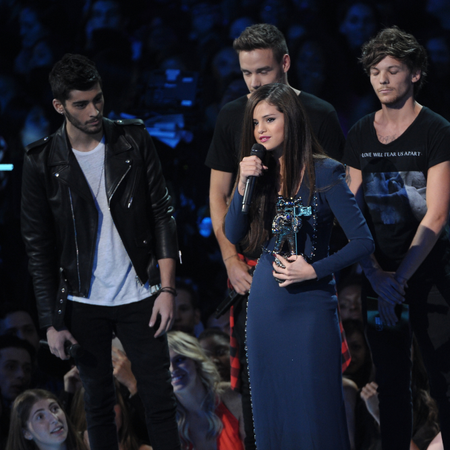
column 101, row 240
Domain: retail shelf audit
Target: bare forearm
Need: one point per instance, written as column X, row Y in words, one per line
column 219, row 208
column 424, row 240
column 167, row 272
column 369, row 264
column 221, row 184
column 432, row 224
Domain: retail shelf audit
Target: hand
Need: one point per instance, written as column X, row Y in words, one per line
column 370, row 396
column 237, row 272
column 250, row 166
column 165, row 307
column 387, row 286
column 122, row 370
column 56, row 341
column 296, row 270
column 72, row 380
column 387, row 313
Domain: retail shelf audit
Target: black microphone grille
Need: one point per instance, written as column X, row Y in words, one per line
column 258, row 150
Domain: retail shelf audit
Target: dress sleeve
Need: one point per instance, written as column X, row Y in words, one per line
column 236, row 223
column 344, row 207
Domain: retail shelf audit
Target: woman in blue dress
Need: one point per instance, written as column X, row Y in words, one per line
column 293, row 338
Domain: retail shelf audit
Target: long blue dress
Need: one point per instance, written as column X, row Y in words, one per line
column 293, row 338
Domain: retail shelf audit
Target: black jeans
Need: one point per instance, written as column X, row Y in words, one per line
column 93, row 326
column 391, row 351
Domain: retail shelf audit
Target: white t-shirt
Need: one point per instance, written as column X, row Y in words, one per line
column 114, row 281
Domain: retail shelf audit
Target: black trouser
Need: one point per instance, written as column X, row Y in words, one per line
column 240, row 314
column 430, row 322
column 93, row 326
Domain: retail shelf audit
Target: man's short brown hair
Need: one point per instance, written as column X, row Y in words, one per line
column 262, row 36
column 397, row 44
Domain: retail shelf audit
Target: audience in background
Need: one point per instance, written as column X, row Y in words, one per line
column 47, row 370
column 124, row 423
column 191, row 36
column 207, row 411
column 349, row 296
column 16, row 365
column 425, row 412
column 39, row 422
column 360, row 369
column 187, row 311
column 216, row 344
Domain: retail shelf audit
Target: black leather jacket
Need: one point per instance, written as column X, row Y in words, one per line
column 59, row 216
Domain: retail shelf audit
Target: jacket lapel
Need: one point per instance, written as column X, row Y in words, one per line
column 65, row 165
column 118, row 162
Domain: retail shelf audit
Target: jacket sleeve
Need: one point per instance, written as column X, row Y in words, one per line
column 164, row 226
column 39, row 235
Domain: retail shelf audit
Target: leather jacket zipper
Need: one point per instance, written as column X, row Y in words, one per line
column 131, row 197
column 120, row 181
column 76, row 242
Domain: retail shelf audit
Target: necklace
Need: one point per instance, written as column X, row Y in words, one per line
column 101, row 175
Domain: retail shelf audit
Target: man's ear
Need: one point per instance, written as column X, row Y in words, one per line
column 26, row 434
column 416, row 76
column 59, row 107
column 286, row 62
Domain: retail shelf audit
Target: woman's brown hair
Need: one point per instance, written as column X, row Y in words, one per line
column 300, row 147
column 20, row 415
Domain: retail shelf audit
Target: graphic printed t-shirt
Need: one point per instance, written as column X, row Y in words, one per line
column 394, row 178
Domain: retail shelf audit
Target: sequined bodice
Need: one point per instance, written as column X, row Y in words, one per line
column 288, row 222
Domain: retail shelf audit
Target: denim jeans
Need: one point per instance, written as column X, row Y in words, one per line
column 93, row 326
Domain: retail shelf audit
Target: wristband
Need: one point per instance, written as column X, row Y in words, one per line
column 228, row 257
column 169, row 289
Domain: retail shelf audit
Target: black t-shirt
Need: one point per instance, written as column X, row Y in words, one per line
column 394, row 178
column 224, row 151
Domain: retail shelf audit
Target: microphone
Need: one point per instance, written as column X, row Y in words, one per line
column 258, row 150
column 72, row 350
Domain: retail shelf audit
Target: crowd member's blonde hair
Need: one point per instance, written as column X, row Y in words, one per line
column 188, row 346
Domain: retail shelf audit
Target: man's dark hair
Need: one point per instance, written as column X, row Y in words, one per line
column 262, row 36
column 73, row 72
column 9, row 341
column 397, row 44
